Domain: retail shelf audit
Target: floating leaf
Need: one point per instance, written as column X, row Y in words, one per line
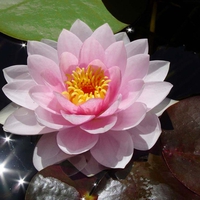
column 35, row 19
column 181, row 146
column 145, row 180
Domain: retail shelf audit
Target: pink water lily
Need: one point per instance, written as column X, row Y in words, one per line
column 95, row 97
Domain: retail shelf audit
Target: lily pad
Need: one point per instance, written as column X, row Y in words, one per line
column 145, row 180
column 35, row 19
column 181, row 146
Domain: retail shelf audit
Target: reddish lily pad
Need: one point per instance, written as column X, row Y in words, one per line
column 145, row 180
column 181, row 146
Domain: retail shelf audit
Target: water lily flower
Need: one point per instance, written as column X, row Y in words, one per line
column 94, row 96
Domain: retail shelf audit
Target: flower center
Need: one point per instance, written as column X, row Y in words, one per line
column 84, row 84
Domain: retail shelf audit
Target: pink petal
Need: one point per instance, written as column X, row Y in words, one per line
column 77, row 119
column 53, row 82
column 16, row 72
column 146, row 133
column 68, row 42
column 78, row 161
column 137, row 47
column 51, row 43
column 35, row 47
column 154, row 93
column 75, row 140
column 51, row 120
column 104, row 35
column 81, row 30
column 47, row 152
column 66, row 105
column 157, row 71
column 39, row 64
column 130, row 117
column 99, row 125
column 68, row 63
column 18, row 92
column 137, row 67
column 6, row 111
column 115, row 55
column 122, row 36
column 97, row 63
column 160, row 108
column 114, row 85
column 91, row 107
column 23, row 122
column 86, row 164
column 91, row 50
column 111, row 109
column 92, row 167
column 45, row 98
column 130, row 92
column 114, row 149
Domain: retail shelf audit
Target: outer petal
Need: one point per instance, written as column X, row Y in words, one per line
column 90, row 51
column 99, row 125
column 154, row 93
column 52, row 81
column 92, row 167
column 81, row 30
column 104, row 35
column 137, row 47
column 77, row 119
column 18, row 92
column 51, row 120
column 157, row 71
column 38, row 64
column 45, row 155
column 137, row 67
column 86, row 164
column 160, row 108
column 111, row 109
column 122, row 36
column 114, row 149
column 130, row 92
column 35, row 47
column 130, row 117
column 16, row 72
column 75, row 141
column 45, row 98
column 23, row 122
column 146, row 133
column 6, row 111
column 115, row 55
column 79, row 161
column 51, row 43
column 68, row 42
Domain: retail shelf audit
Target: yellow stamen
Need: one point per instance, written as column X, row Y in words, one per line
column 84, row 84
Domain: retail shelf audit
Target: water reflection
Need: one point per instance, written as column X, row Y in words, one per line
column 16, row 168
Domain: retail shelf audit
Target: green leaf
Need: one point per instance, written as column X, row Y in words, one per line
column 36, row 19
column 181, row 146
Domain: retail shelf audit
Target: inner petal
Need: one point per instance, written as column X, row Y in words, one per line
column 86, row 83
